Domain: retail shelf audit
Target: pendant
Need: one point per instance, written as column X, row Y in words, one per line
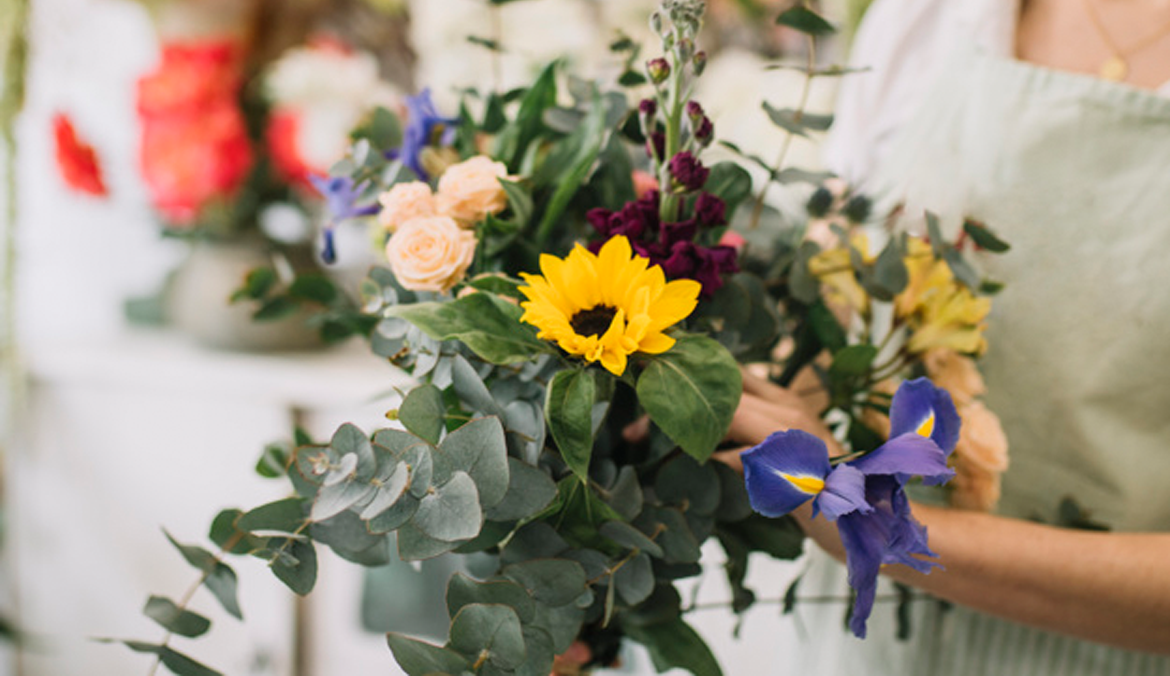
column 1115, row 69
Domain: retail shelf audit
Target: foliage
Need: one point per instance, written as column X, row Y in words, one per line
column 590, row 488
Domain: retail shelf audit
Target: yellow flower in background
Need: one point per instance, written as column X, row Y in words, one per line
column 834, row 268
column 606, row 306
column 940, row 311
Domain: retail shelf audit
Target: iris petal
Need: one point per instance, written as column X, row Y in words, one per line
column 905, row 456
column 919, row 402
column 844, row 493
column 783, row 472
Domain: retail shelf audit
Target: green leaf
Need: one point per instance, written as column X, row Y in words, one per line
column 175, row 619
column 273, row 309
column 520, row 199
column 284, row 516
column 795, row 121
column 257, row 284
column 497, row 284
column 853, row 361
column 635, row 579
column 424, row 413
column 486, row 43
column 825, row 327
column 415, row 545
column 683, row 481
column 298, row 570
column 490, row 327
column 530, row 490
column 806, row 21
column 336, row 498
column 392, row 486
column 625, row 497
column 470, row 388
column 778, row 538
column 553, row 582
column 984, row 237
column 175, row 661
column 480, row 449
column 492, row 629
column 219, row 579
column 675, row 644
column 382, row 129
column 627, row 536
column 679, row 544
column 538, row 644
column 313, row 287
column 273, row 461
column 227, row 535
column 451, row 512
column 691, row 392
column 562, row 623
column 346, row 534
column 591, row 136
column 512, row 143
column 418, row 658
column 729, row 182
column 889, row 271
column 463, row 591
column 568, row 409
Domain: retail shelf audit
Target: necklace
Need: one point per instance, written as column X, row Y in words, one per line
column 1116, row 67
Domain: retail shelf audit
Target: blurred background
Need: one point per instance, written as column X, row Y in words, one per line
column 119, row 419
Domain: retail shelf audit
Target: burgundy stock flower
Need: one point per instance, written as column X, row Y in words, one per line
column 688, row 172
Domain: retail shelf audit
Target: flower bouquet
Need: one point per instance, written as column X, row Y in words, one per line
column 565, row 288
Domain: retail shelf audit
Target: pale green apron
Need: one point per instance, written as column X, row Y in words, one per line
column 1072, row 171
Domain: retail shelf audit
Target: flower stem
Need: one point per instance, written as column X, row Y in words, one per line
column 810, row 67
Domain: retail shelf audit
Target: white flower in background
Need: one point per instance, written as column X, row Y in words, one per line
column 320, row 93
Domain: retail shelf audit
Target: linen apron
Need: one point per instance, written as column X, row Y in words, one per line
column 1072, row 172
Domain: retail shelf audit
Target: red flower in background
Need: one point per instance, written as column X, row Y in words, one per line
column 76, row 159
column 195, row 145
column 283, row 137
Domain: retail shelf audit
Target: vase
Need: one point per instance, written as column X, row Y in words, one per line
column 199, row 301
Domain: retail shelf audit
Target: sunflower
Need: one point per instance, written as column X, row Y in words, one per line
column 606, row 306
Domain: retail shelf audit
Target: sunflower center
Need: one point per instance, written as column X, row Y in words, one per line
column 593, row 322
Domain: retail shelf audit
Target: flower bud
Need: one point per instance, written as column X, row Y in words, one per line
column 656, row 23
column 857, row 209
column 694, row 111
column 658, row 70
column 687, row 173
column 704, row 131
column 686, row 50
column 700, row 62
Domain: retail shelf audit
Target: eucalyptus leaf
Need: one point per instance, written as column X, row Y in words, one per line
column 853, row 361
column 332, row 500
column 416, row 545
column 691, row 392
column 424, row 413
column 797, row 122
column 346, row 534
column 729, row 182
column 530, row 490
column 568, row 411
column 492, row 629
column 470, row 388
column 627, row 536
column 451, row 512
column 480, row 449
column 463, row 591
column 176, row 661
column 300, row 573
column 984, row 237
column 349, row 439
column 635, row 579
column 625, row 496
column 388, row 493
column 418, row 658
column 683, row 481
column 553, row 582
column 562, row 623
column 395, row 516
column 538, row 645
column 219, row 578
column 284, row 516
column 175, row 619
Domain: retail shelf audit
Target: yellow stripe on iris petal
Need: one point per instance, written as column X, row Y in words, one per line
column 805, row 484
column 927, row 426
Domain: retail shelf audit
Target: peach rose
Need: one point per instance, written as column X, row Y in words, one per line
column 982, row 442
column 955, row 373
column 974, row 489
column 471, row 190
column 404, row 202
column 430, row 253
column 644, row 182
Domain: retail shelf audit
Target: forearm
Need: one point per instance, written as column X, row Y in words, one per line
column 1111, row 588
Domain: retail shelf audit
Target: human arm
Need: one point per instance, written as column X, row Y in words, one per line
column 1111, row 588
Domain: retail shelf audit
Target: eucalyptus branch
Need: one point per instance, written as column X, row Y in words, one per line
column 883, row 598
column 806, row 88
column 185, row 600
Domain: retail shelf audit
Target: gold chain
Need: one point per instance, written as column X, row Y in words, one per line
column 1116, row 67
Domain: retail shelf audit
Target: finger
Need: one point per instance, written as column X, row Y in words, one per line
column 731, row 458
column 637, row 431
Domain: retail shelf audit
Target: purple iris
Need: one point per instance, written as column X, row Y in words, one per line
column 865, row 496
column 421, row 122
column 341, row 197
